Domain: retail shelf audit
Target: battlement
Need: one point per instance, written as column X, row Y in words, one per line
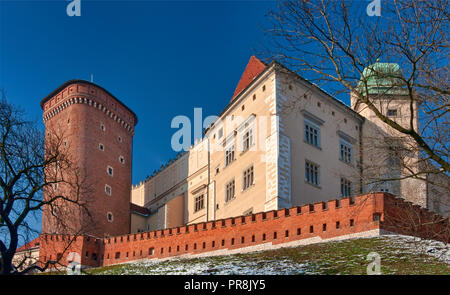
column 365, row 215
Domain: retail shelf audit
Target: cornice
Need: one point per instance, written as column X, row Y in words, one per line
column 84, row 99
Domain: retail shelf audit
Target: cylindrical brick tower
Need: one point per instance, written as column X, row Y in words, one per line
column 96, row 131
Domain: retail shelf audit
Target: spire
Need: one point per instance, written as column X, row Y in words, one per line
column 252, row 70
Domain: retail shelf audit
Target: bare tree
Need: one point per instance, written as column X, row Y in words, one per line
column 338, row 46
column 31, row 164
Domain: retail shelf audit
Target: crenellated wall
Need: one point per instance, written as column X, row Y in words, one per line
column 365, row 215
column 59, row 248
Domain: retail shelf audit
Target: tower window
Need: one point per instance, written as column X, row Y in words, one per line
column 110, row 217
column 254, row 96
column 102, row 127
column 110, row 171
column 101, row 147
column 107, row 189
column 122, row 160
column 119, row 139
column 392, row 113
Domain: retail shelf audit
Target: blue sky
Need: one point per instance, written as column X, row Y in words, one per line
column 162, row 59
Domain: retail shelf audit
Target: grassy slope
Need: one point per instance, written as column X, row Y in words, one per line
column 399, row 255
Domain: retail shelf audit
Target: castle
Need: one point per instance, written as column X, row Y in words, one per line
column 281, row 143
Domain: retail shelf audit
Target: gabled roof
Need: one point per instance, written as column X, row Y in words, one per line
column 252, row 70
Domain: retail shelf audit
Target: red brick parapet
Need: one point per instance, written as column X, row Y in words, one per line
column 335, row 219
column 84, row 92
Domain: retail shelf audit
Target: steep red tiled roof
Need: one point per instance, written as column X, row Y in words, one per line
column 139, row 209
column 30, row 245
column 253, row 69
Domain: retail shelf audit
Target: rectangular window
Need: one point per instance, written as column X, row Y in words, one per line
column 392, row 112
column 247, row 178
column 346, row 187
column 312, row 133
column 229, row 154
column 247, row 138
column 230, row 190
column 199, row 203
column 312, row 173
column 346, row 151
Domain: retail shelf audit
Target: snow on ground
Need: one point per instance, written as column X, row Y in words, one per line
column 415, row 245
column 228, row 265
column 246, row 265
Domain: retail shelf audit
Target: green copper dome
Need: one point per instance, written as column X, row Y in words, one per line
column 383, row 78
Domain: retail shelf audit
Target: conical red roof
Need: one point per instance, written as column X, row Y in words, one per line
column 253, row 69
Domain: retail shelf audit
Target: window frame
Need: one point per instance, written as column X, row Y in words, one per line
column 389, row 114
column 112, row 171
column 248, row 174
column 230, row 149
column 247, row 137
column 199, row 203
column 346, row 188
column 230, row 185
column 315, row 173
column 308, row 133
column 106, row 190
column 346, row 151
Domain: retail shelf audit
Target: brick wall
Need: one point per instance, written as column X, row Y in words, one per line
column 58, row 247
column 404, row 217
column 87, row 117
column 325, row 220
